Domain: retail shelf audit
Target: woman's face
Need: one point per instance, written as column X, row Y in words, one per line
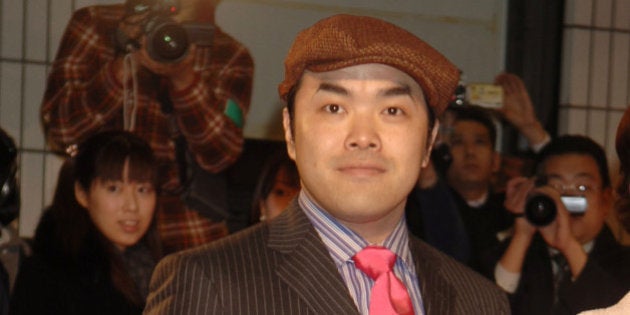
column 281, row 194
column 122, row 210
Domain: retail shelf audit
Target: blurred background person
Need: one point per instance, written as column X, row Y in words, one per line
column 12, row 247
column 467, row 161
column 622, row 145
column 114, row 70
column 562, row 262
column 278, row 184
column 462, row 210
column 96, row 245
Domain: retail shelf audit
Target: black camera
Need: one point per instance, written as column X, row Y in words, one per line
column 9, row 194
column 167, row 41
column 540, row 209
column 441, row 158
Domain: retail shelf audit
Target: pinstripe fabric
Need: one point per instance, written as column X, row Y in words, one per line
column 342, row 244
column 283, row 267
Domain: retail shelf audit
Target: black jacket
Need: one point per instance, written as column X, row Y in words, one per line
column 604, row 280
column 49, row 283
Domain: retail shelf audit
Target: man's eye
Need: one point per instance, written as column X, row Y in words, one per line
column 394, row 111
column 112, row 187
column 333, row 108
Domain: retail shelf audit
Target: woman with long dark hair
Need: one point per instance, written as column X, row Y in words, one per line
column 278, row 184
column 95, row 247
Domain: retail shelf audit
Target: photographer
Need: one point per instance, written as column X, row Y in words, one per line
column 573, row 262
column 193, row 105
column 462, row 210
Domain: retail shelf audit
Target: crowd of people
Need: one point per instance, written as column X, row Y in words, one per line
column 388, row 198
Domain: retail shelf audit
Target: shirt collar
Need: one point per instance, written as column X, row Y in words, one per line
column 588, row 246
column 477, row 203
column 342, row 242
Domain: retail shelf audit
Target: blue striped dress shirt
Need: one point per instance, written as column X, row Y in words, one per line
column 343, row 244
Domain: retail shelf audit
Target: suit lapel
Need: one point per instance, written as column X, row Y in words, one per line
column 306, row 266
column 437, row 294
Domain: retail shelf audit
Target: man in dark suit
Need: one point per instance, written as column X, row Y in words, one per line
column 573, row 263
column 362, row 96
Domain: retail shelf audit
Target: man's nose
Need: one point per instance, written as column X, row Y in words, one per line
column 363, row 134
column 469, row 148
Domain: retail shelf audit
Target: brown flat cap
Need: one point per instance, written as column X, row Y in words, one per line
column 345, row 40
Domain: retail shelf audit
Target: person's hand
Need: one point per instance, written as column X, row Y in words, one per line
column 517, row 105
column 558, row 235
column 517, row 191
column 132, row 26
column 516, row 194
column 518, row 108
column 180, row 73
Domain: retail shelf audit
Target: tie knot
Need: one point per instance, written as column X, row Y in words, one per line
column 375, row 260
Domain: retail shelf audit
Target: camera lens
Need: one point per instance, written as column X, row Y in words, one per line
column 540, row 210
column 167, row 42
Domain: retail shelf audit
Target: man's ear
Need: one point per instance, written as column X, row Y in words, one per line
column 427, row 156
column 288, row 133
column 608, row 201
column 80, row 195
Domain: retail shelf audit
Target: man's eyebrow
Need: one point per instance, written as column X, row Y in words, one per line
column 402, row 89
column 581, row 175
column 586, row 175
column 332, row 88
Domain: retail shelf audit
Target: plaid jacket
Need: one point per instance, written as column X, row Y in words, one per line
column 83, row 96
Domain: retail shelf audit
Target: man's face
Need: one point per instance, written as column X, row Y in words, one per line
column 568, row 171
column 474, row 158
column 360, row 136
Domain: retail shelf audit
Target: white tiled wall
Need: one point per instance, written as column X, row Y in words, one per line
column 29, row 34
column 596, row 69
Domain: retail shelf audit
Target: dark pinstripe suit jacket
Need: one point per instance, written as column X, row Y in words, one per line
column 283, row 267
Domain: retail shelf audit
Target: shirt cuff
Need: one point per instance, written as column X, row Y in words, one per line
column 507, row 280
column 536, row 147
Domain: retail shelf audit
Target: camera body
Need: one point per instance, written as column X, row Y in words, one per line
column 486, row 95
column 168, row 41
column 441, row 158
column 540, row 209
column 9, row 193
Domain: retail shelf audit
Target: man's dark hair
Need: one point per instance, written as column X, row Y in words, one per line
column 477, row 114
column 576, row 144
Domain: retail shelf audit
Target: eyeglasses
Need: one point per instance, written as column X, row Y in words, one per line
column 573, row 189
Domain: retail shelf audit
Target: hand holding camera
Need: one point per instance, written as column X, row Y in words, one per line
column 516, row 196
column 158, row 41
column 541, row 207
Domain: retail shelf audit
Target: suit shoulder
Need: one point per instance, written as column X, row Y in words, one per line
column 473, row 292
column 241, row 243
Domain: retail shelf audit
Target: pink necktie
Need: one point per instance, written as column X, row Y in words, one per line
column 389, row 295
